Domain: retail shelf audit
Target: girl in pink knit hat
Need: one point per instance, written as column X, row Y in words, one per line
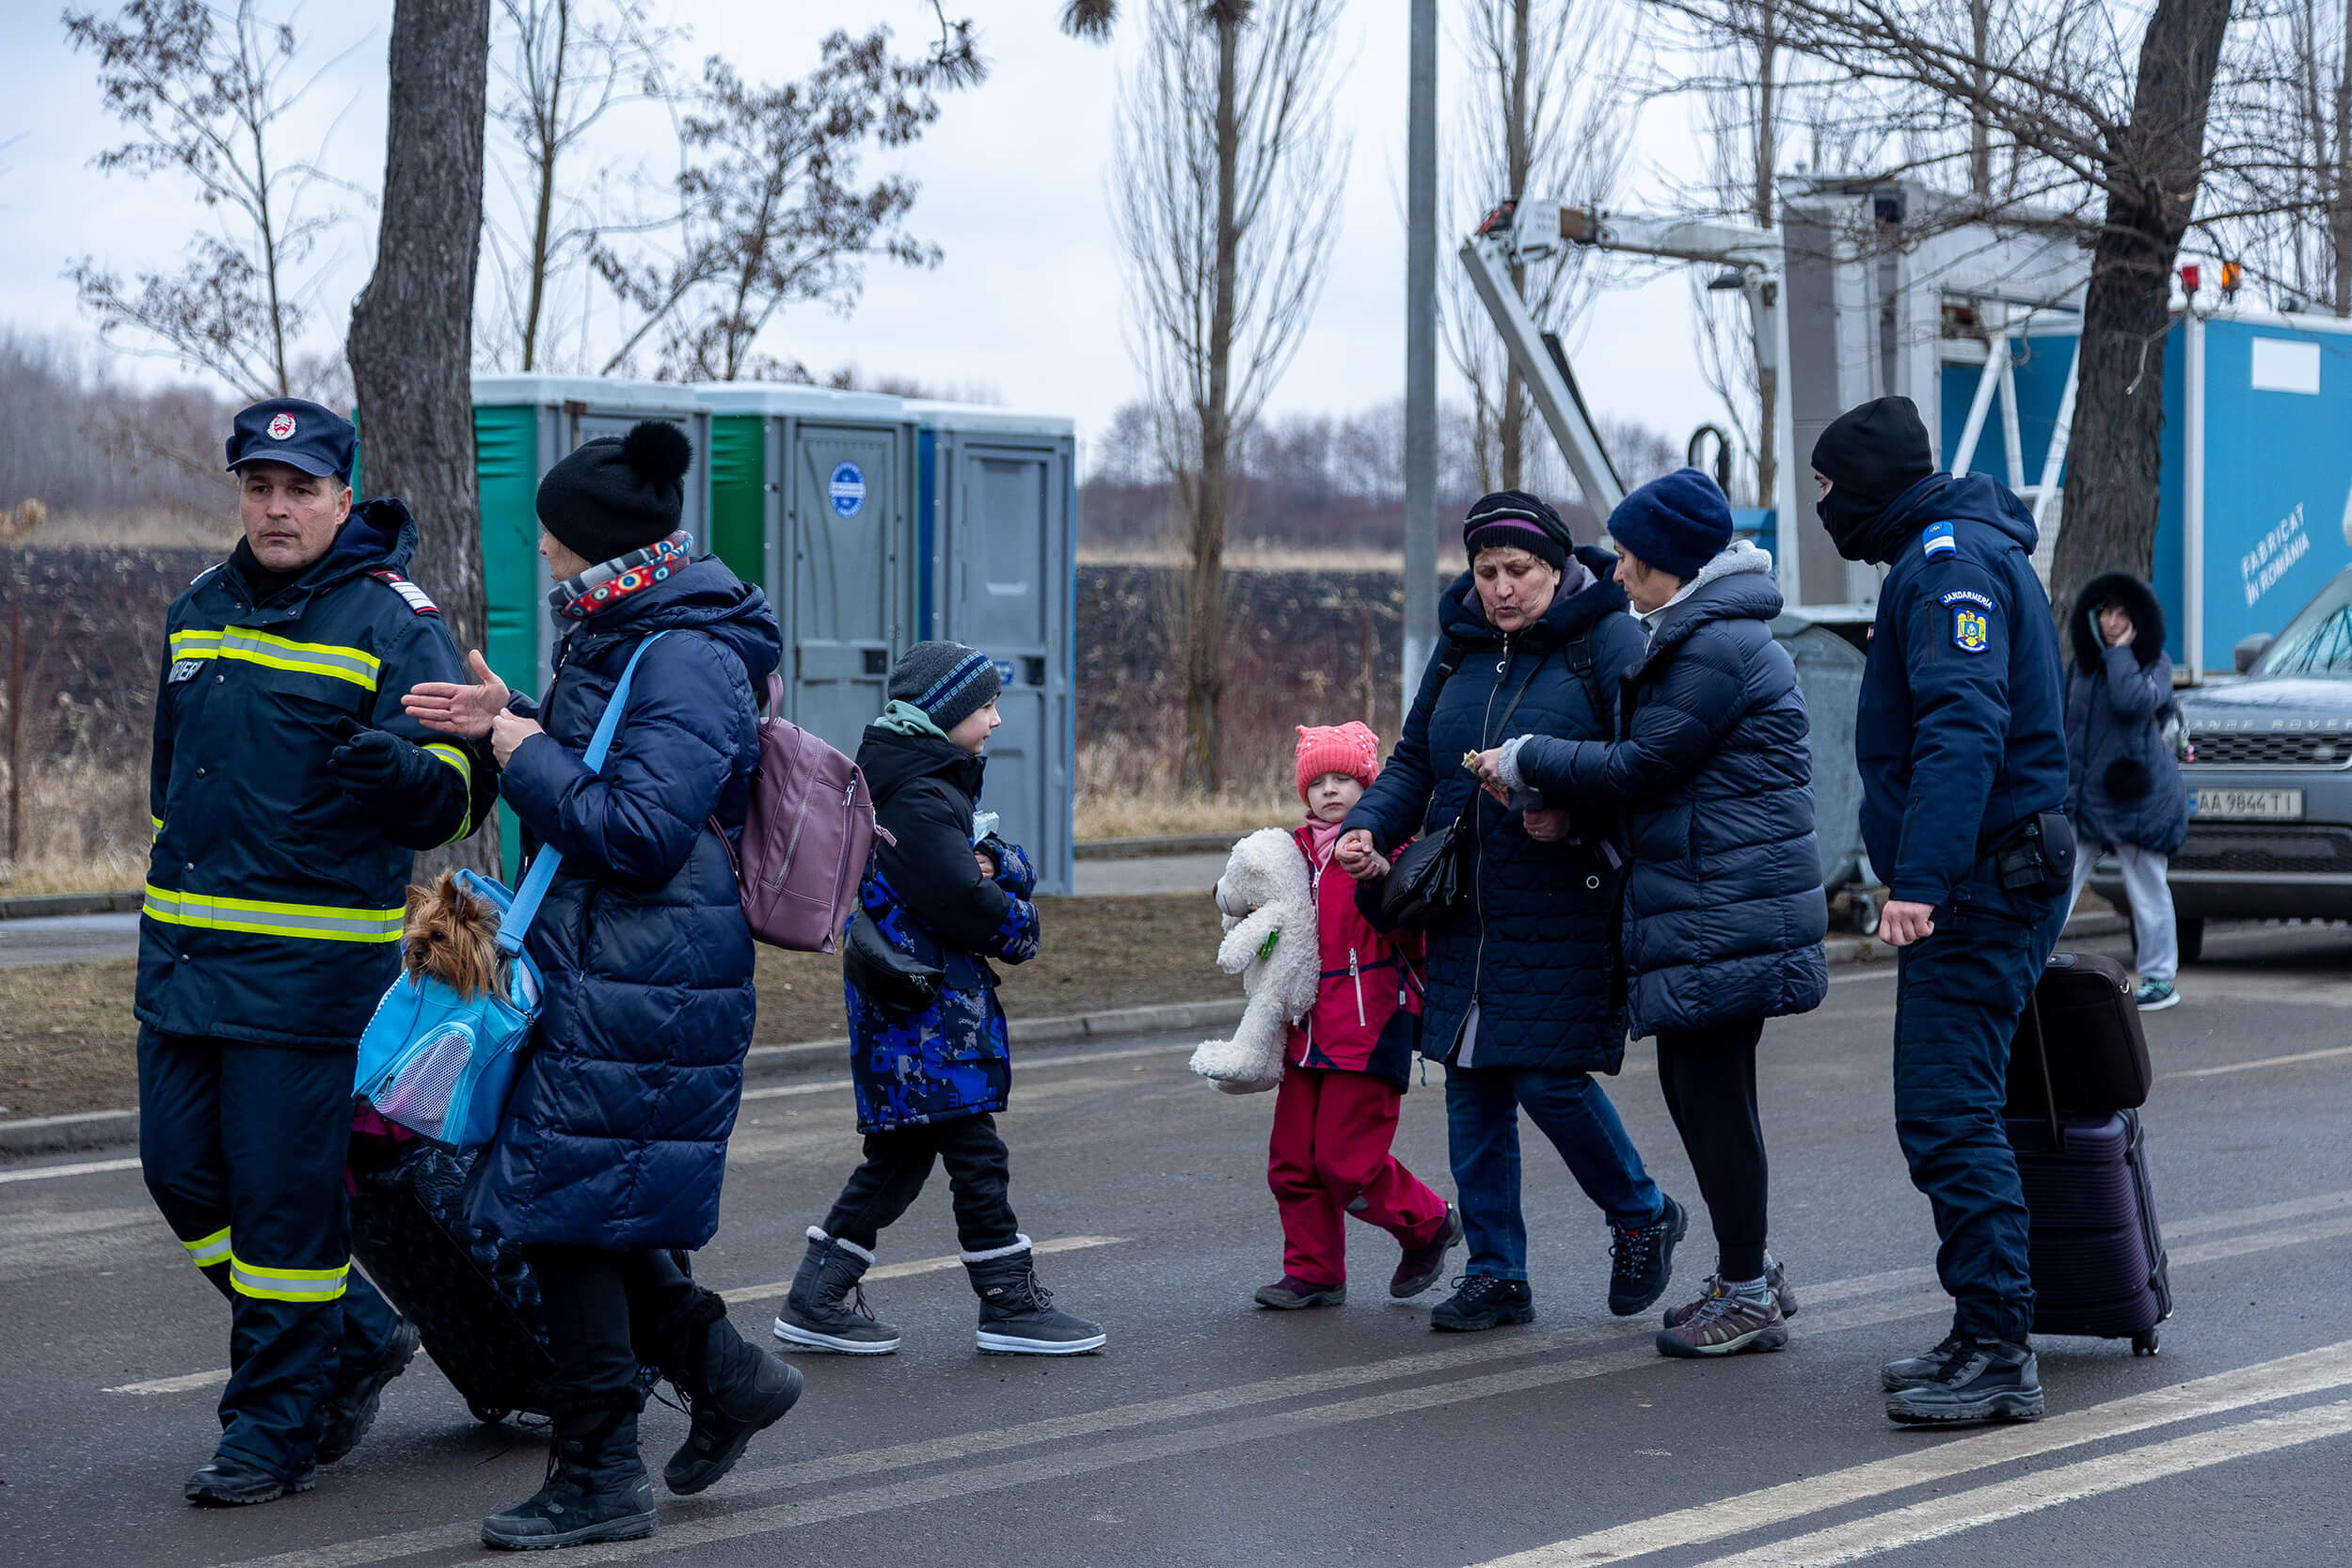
column 1346, row 1062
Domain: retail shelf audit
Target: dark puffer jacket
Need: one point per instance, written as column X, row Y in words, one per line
column 1533, row 947
column 1725, row 914
column 2124, row 783
column 616, row 1137
column 927, row 896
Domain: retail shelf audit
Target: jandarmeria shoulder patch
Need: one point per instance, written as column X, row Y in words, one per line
column 418, row 601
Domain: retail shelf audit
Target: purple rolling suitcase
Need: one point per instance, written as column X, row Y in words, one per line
column 2097, row 1254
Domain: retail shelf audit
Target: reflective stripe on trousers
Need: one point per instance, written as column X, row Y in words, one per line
column 300, row 1286
column 209, row 1250
column 319, row 921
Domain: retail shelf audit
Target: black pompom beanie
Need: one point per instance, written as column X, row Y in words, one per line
column 618, row 493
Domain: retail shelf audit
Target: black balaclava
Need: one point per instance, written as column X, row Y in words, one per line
column 1870, row 453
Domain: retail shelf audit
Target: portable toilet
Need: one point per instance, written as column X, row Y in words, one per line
column 812, row 497
column 522, row 425
column 997, row 530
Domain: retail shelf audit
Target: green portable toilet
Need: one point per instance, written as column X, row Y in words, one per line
column 813, row 497
column 997, row 529
column 522, row 425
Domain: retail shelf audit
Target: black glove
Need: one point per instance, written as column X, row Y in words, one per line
column 417, row 798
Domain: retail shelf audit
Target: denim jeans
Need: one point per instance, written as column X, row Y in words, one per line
column 1482, row 1108
column 1958, row 997
column 2156, row 935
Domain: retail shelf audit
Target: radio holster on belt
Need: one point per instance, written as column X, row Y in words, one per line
column 2037, row 855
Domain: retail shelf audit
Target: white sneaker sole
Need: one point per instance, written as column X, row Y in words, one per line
column 2171, row 1001
column 793, row 1334
column 1012, row 1344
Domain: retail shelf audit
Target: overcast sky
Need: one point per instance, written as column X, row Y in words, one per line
column 1029, row 299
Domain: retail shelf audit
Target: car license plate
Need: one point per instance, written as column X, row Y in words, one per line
column 2248, row 805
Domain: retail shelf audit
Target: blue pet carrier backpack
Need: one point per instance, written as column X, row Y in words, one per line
column 442, row 1065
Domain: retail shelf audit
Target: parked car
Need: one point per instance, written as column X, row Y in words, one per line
column 2269, row 771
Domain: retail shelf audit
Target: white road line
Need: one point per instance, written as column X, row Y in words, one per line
column 2288, row 1377
column 2265, row 1061
column 922, row 1265
column 1103, row 1455
column 50, row 1173
column 186, row 1382
column 2010, row 1499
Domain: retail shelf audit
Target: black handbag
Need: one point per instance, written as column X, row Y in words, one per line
column 896, row 982
column 1430, row 879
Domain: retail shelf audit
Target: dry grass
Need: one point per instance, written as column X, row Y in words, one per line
column 67, row 1041
column 1126, row 790
column 158, row 529
column 1251, row 556
column 86, row 831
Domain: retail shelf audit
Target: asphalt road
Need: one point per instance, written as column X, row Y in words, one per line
column 1213, row 1433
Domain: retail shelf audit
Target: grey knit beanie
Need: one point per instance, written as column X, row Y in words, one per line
column 948, row 681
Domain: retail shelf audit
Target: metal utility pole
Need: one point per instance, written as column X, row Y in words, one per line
column 1420, row 350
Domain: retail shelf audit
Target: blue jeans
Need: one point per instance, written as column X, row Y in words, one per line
column 1958, row 997
column 1481, row 1111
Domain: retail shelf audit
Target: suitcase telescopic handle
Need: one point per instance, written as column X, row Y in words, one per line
column 2042, row 1056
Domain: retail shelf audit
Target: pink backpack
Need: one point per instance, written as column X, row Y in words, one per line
column 807, row 830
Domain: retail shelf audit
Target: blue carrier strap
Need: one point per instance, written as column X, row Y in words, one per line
column 516, row 923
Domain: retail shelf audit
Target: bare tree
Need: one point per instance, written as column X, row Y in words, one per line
column 565, row 65
column 411, row 342
column 772, row 214
column 1227, row 183
column 204, row 93
column 1546, row 116
column 2114, row 133
column 2300, row 234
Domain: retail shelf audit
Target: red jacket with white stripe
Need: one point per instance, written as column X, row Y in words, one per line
column 1367, row 1013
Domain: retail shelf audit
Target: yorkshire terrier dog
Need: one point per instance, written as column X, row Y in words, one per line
column 452, row 936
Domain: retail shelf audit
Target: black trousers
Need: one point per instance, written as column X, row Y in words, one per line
column 1708, row 1076
column 610, row 1313
column 980, row 1177
column 241, row 1145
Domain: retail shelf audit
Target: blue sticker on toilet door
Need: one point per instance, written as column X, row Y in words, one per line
column 847, row 489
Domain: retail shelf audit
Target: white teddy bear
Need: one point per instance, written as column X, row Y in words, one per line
column 1268, row 910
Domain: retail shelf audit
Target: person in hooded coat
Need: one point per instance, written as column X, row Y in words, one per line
column 607, row 1163
column 1523, row 1003
column 2125, row 787
column 1961, row 741
column 1724, row 914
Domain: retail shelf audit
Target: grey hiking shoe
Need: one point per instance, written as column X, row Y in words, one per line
column 826, row 1309
column 1980, row 1380
column 1290, row 1293
column 1775, row 1278
column 1722, row 1324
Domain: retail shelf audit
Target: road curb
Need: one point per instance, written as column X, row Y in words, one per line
column 44, row 906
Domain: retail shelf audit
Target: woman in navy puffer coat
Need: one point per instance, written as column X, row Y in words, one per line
column 1523, row 1003
column 1725, row 913
column 607, row 1163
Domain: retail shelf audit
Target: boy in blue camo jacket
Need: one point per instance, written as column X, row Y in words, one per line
column 949, row 894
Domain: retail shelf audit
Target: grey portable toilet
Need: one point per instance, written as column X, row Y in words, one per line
column 522, row 425
column 813, row 497
column 999, row 537
column 1828, row 673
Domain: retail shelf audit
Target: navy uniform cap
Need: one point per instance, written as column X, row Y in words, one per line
column 292, row 431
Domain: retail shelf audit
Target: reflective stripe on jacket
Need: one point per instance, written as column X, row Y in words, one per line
column 274, row 900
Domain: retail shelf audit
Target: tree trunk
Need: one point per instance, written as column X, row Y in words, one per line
column 411, row 343
column 1980, row 127
column 1204, row 601
column 2108, row 522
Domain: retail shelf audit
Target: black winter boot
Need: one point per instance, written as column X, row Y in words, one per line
column 596, row 1489
column 229, row 1481
column 1017, row 1314
column 826, row 1309
column 733, row 1390
column 1979, row 1380
column 358, row 1389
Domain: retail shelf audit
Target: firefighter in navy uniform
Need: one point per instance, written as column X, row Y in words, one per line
column 1961, row 741
column 289, row 795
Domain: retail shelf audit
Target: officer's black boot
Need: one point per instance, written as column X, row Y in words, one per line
column 733, row 1390
column 231, row 1482
column 597, row 1488
column 359, row 1380
column 826, row 1309
column 1980, row 1380
column 1017, row 1314
column 1914, row 1371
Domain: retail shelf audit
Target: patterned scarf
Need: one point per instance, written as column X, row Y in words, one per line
column 606, row 584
